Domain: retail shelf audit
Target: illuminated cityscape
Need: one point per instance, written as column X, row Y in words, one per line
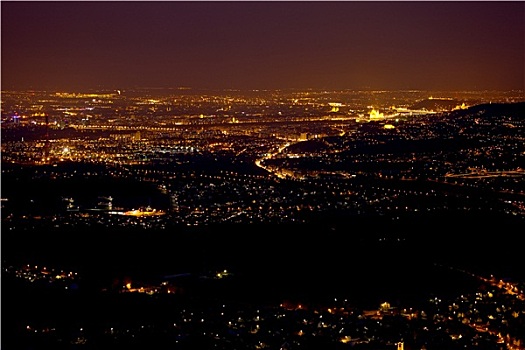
column 108, row 164
column 234, row 176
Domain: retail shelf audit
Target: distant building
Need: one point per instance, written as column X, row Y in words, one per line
column 304, row 136
column 376, row 115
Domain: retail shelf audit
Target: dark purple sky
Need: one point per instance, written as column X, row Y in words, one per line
column 263, row 45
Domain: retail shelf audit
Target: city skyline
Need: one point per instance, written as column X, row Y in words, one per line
column 263, row 175
column 232, row 220
column 263, row 45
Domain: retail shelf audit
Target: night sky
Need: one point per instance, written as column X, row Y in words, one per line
column 263, row 45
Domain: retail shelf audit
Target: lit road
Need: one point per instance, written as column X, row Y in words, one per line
column 259, row 161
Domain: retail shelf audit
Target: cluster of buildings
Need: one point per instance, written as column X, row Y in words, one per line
column 491, row 316
column 267, row 165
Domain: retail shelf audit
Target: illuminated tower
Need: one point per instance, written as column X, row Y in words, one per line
column 400, row 346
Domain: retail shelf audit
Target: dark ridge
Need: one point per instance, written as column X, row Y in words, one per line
column 488, row 110
column 470, row 240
